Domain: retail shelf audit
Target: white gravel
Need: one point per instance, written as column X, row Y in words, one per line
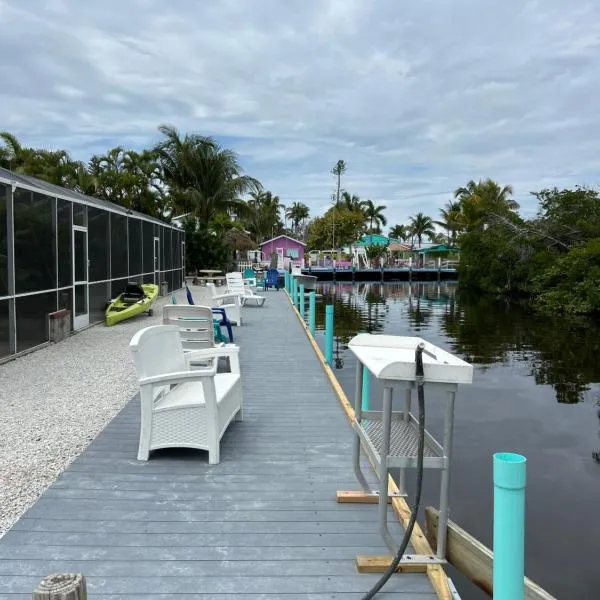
column 55, row 401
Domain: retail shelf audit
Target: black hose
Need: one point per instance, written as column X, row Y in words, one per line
column 420, row 452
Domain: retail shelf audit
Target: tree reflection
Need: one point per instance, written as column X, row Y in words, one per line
column 560, row 352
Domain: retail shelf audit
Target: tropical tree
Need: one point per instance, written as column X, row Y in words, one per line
column 262, row 218
column 421, row 225
column 349, row 226
column 297, row 212
column 375, row 252
column 204, row 178
column 399, row 232
column 374, row 215
column 451, row 220
column 338, row 170
column 351, row 202
column 480, row 202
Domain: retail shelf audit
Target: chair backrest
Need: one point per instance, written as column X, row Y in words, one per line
column 249, row 273
column 195, row 324
column 235, row 284
column 272, row 276
column 157, row 350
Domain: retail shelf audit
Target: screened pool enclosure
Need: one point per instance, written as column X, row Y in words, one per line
column 62, row 250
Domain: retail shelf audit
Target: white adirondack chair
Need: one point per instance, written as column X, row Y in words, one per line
column 236, row 285
column 232, row 303
column 182, row 407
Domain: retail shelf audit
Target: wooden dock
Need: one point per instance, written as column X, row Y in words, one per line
column 263, row 524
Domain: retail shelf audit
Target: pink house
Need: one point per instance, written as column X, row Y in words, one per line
column 286, row 248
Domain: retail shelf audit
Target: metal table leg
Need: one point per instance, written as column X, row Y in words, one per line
column 356, row 443
column 407, row 401
column 383, row 470
column 445, row 483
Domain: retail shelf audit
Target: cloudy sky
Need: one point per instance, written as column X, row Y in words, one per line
column 417, row 97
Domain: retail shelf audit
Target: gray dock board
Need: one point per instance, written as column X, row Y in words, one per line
column 261, row 525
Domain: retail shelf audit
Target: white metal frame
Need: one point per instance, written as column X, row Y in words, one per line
column 83, row 320
column 156, row 260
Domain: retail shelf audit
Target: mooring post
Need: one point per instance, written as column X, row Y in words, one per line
column 286, row 281
column 329, row 334
column 312, row 317
column 366, row 389
column 61, row 586
column 294, row 290
column 510, row 477
column 301, row 301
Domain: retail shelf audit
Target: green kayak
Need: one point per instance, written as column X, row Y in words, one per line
column 134, row 300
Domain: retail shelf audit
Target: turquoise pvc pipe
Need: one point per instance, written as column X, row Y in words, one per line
column 312, row 316
column 301, row 301
column 510, row 477
column 366, row 389
column 329, row 334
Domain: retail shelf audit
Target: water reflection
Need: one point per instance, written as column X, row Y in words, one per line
column 561, row 353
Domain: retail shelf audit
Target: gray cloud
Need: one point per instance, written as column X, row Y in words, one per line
column 417, row 98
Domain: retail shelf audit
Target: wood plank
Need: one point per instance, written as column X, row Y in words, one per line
column 380, row 563
column 472, row 558
column 357, row 497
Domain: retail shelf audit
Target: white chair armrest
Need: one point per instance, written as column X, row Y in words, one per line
column 227, row 350
column 179, row 377
column 226, row 295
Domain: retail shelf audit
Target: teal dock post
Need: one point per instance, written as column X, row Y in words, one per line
column 294, row 291
column 286, row 282
column 312, row 317
column 329, row 334
column 301, row 301
column 509, row 526
column 366, row 389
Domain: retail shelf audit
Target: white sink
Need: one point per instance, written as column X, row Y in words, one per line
column 393, row 357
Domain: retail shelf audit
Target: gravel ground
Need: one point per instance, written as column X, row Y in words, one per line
column 55, row 401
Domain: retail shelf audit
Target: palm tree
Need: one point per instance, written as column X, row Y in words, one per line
column 338, row 170
column 399, row 232
column 374, row 214
column 205, row 178
column 297, row 212
column 351, row 202
column 451, row 220
column 13, row 155
column 262, row 218
column 479, row 201
column 421, row 225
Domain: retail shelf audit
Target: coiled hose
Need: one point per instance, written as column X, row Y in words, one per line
column 420, row 451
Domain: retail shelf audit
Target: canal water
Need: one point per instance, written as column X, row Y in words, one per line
column 535, row 391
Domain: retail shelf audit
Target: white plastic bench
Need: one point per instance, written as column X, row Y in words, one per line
column 183, row 407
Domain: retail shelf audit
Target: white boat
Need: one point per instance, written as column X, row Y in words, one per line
column 308, row 281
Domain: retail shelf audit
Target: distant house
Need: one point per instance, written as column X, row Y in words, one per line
column 286, row 248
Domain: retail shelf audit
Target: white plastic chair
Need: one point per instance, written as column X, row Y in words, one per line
column 182, row 407
column 232, row 303
column 236, row 285
column 195, row 325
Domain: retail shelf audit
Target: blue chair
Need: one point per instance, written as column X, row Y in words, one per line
column 224, row 321
column 272, row 279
